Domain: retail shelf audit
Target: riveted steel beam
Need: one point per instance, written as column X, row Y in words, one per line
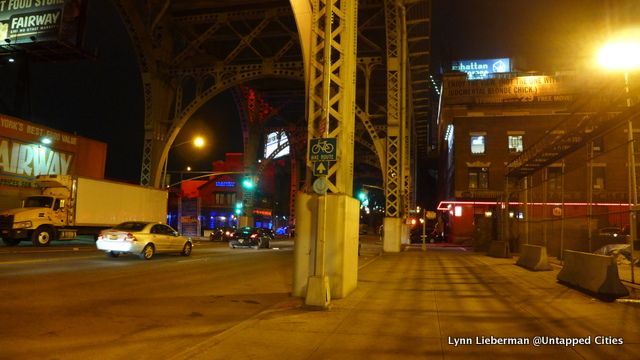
column 332, row 86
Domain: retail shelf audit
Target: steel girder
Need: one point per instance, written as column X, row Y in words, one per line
column 152, row 46
column 396, row 116
column 192, row 73
column 331, row 86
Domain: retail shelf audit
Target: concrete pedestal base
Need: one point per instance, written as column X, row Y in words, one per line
column 392, row 234
column 318, row 292
column 245, row 221
column 334, row 218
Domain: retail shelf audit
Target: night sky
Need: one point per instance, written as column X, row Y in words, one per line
column 102, row 98
column 538, row 35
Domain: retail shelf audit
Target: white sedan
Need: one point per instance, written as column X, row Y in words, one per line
column 143, row 239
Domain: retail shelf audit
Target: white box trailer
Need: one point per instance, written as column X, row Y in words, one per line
column 69, row 206
column 106, row 203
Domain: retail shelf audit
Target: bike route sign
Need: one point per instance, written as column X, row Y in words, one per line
column 322, row 149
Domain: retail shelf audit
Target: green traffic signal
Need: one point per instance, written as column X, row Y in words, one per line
column 248, row 183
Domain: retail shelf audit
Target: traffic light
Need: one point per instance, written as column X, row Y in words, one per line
column 363, row 196
column 248, row 183
column 239, row 208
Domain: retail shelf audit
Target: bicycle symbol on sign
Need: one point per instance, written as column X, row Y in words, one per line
column 322, row 146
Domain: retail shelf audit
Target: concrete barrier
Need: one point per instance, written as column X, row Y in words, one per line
column 533, row 258
column 595, row 273
column 499, row 249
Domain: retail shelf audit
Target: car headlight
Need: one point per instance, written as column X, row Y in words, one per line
column 22, row 225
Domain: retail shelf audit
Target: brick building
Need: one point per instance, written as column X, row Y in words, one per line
column 485, row 125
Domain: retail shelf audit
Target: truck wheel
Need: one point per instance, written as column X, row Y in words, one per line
column 147, row 252
column 42, row 236
column 113, row 254
column 10, row 242
column 186, row 250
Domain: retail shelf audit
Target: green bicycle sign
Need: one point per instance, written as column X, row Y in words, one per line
column 322, row 149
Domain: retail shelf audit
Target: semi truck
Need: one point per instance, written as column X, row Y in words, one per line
column 69, row 206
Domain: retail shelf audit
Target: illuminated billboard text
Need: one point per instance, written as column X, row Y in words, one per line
column 225, row 183
column 32, row 160
column 482, row 69
column 511, row 90
column 27, row 128
column 26, row 21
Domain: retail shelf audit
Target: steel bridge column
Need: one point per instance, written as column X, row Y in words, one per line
column 152, row 46
column 158, row 98
column 395, row 183
column 331, row 218
column 405, row 119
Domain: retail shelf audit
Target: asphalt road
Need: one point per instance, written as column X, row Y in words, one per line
column 70, row 301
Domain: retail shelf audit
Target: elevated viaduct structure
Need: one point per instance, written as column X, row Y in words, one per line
column 369, row 89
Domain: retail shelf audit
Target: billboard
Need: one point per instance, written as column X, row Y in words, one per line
column 276, row 140
column 31, row 160
column 29, row 21
column 24, row 153
column 521, row 89
column 482, row 69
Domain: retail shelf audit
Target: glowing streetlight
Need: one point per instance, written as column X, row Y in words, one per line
column 197, row 141
column 623, row 54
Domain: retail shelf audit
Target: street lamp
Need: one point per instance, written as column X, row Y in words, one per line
column 197, row 141
column 623, row 54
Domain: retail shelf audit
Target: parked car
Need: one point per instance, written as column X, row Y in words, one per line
column 250, row 237
column 612, row 235
column 223, row 233
column 143, row 239
column 617, row 235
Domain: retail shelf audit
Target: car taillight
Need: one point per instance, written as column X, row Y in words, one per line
column 228, row 234
column 253, row 236
column 130, row 237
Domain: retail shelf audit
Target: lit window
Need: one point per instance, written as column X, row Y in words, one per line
column 478, row 178
column 515, row 144
column 458, row 211
column 477, row 144
column 598, row 145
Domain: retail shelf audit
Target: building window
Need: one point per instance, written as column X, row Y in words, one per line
column 515, row 144
column 477, row 144
column 225, row 198
column 478, row 178
column 554, row 178
column 598, row 145
column 598, row 177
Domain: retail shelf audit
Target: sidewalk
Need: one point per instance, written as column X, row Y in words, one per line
column 422, row 305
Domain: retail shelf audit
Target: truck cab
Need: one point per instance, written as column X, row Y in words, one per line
column 38, row 217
